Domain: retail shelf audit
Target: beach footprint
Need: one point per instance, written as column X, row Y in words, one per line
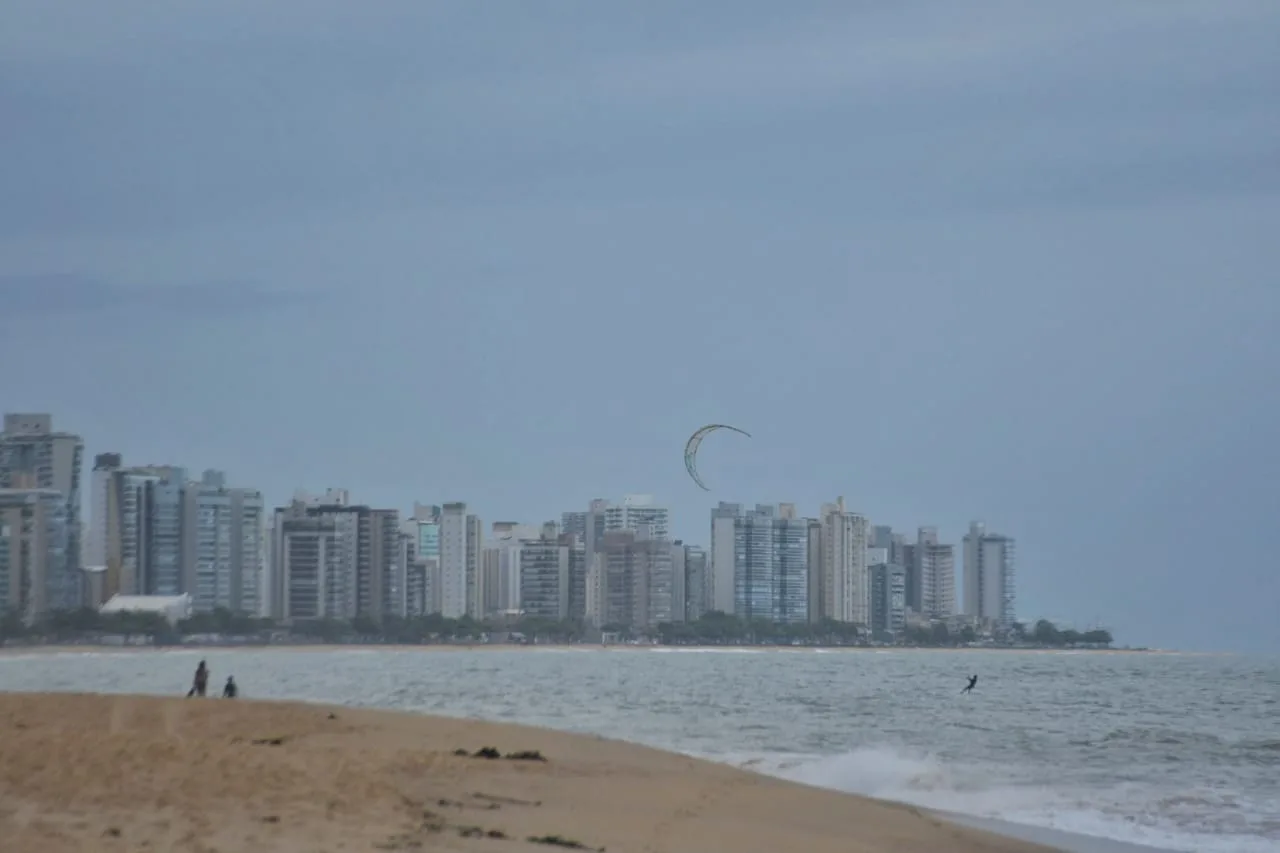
column 20, row 819
column 121, row 714
column 707, row 797
column 173, row 714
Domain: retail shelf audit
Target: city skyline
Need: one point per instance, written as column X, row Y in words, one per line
column 160, row 530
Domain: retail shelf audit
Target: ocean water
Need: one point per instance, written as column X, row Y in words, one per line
column 1175, row 751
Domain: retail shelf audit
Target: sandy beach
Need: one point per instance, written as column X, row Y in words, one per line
column 129, row 773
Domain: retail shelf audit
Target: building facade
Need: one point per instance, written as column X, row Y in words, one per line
column 888, row 587
column 844, row 566
column 936, row 575
column 989, row 573
column 770, row 561
column 33, row 456
column 353, row 552
column 461, row 575
column 35, row 557
column 637, row 510
column 635, row 581
column 544, row 577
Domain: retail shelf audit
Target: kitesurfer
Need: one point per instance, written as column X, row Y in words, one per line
column 973, row 679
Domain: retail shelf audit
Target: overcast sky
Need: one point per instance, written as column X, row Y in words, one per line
column 1010, row 261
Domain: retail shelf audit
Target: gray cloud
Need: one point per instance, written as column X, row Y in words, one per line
column 60, row 294
column 167, row 130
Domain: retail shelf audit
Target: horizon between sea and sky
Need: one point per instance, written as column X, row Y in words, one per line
column 1006, row 262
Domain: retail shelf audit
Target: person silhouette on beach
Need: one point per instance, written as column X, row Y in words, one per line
column 200, row 682
column 230, row 690
column 968, row 688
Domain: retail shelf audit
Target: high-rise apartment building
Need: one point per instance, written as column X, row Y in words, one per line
column 381, row 579
column 913, row 585
column 888, row 586
column 141, row 513
column 501, row 562
column 989, row 574
column 767, row 552
column 307, row 558
column 35, row 457
column 588, row 528
column 635, row 581
column 422, row 559
column 844, row 564
column 935, row 572
column 696, row 565
column 101, row 483
column 544, row 576
column 817, row 603
column 721, row 576
column 221, row 542
column 461, row 575
column 337, row 560
column 34, row 556
column 206, row 535
column 157, row 533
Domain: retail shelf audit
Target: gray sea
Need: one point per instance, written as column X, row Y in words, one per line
column 1176, row 751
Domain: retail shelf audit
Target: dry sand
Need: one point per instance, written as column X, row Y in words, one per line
column 131, row 773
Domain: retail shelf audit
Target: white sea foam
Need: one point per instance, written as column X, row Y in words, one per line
column 1122, row 812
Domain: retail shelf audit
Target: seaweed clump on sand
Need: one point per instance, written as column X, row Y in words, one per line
column 491, row 753
column 561, row 841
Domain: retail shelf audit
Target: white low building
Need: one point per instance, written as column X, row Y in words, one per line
column 172, row 607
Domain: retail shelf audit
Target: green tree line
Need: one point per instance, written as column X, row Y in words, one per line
column 711, row 629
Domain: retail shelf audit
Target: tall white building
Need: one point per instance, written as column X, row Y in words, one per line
column 502, row 562
column 989, row 574
column 222, row 564
column 461, row 577
column 936, row 573
column 844, row 564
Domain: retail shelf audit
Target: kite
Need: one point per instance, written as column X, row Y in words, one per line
column 691, row 449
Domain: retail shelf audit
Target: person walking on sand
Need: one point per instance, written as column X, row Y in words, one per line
column 200, row 682
column 230, row 690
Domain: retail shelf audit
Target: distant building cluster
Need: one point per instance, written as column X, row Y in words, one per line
column 155, row 530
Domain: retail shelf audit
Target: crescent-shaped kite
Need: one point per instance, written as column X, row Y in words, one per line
column 691, row 449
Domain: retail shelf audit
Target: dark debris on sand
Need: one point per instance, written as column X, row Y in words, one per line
column 561, row 841
column 492, row 754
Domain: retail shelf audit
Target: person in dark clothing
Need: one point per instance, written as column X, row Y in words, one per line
column 201, row 681
column 230, row 690
column 969, row 687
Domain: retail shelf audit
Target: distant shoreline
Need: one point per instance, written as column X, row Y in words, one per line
column 574, row 647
